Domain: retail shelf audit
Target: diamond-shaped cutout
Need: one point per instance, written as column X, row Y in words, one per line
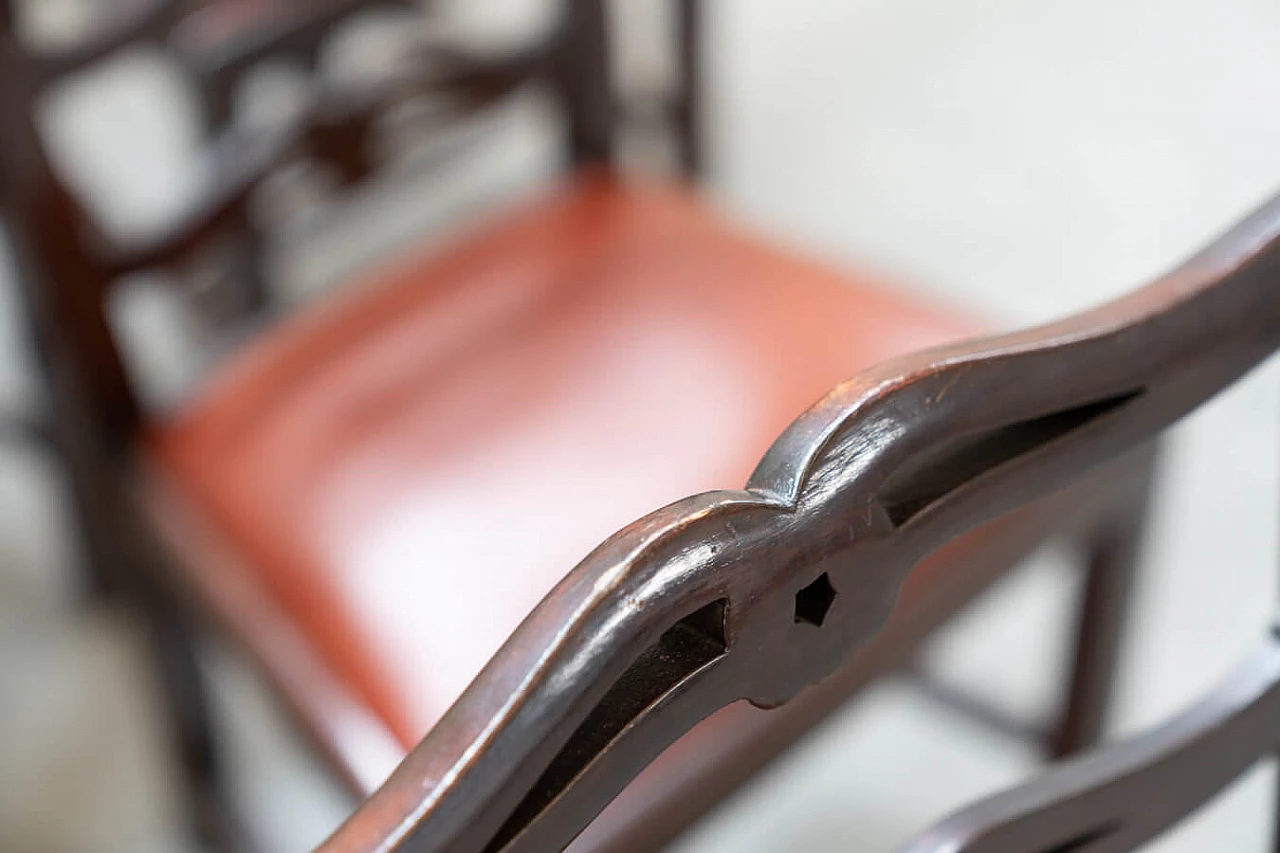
column 813, row 602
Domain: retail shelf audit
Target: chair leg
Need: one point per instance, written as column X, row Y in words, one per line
column 171, row 644
column 100, row 582
column 1275, row 806
column 1111, row 557
column 185, row 692
column 689, row 117
column 114, row 562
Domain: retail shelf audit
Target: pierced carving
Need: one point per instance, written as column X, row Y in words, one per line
column 1081, row 841
column 814, row 600
column 692, row 643
column 940, row 470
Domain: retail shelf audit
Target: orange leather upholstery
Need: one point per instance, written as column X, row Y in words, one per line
column 411, row 466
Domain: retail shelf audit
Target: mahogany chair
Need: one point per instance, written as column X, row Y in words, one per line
column 371, row 495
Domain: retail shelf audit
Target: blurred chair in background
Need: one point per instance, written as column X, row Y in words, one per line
column 372, row 494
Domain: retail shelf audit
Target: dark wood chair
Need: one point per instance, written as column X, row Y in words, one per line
column 373, row 493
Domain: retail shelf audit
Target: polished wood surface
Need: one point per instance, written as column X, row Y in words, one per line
column 729, row 747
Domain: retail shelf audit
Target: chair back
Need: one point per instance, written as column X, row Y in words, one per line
column 68, row 266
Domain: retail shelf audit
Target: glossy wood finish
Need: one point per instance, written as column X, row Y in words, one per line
column 695, row 606
column 733, row 744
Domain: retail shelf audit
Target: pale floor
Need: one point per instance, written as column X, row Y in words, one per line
column 1023, row 157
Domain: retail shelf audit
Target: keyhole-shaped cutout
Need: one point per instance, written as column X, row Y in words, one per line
column 814, row 600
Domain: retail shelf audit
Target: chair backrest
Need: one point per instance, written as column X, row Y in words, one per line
column 67, row 267
column 697, row 605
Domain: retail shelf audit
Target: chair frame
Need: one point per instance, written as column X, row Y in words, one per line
column 701, row 582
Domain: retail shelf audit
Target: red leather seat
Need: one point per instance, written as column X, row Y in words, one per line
column 408, row 468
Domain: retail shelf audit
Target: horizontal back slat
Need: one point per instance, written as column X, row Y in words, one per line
column 150, row 22
column 337, row 122
column 335, row 127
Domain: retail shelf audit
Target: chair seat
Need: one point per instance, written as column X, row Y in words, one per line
column 408, row 468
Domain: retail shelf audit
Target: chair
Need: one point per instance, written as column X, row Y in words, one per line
column 372, row 494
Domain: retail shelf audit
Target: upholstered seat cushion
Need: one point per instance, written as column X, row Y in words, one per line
column 409, row 467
